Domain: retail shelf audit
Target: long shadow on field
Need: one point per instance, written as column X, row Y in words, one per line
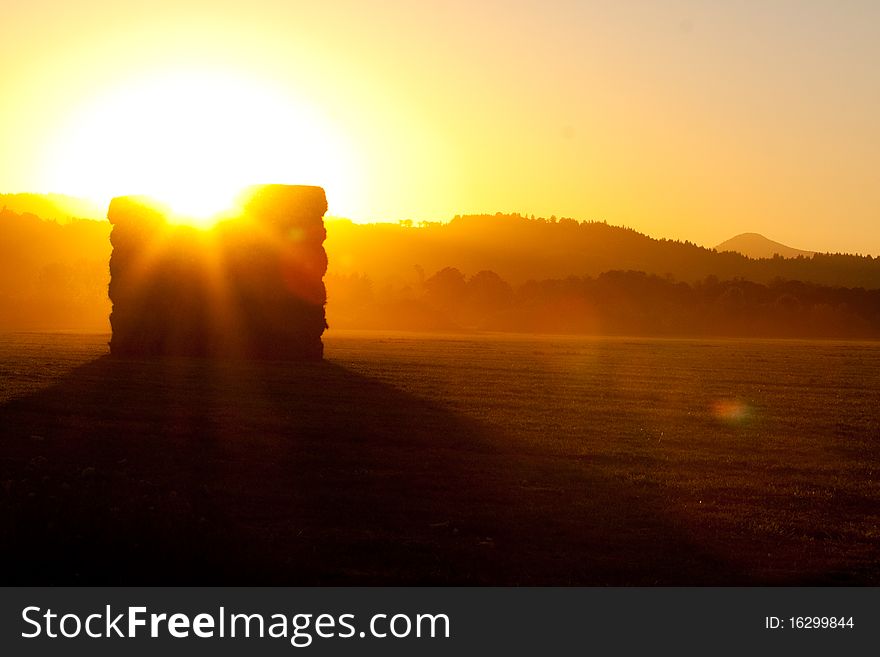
column 192, row 471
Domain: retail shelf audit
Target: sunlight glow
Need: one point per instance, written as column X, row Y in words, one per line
column 193, row 140
column 732, row 412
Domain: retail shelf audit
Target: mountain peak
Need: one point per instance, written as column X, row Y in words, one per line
column 755, row 245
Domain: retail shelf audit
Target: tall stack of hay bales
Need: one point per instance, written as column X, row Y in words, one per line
column 252, row 286
column 277, row 280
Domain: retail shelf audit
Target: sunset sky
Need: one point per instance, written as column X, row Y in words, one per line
column 681, row 119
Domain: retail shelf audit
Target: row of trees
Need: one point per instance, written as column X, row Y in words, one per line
column 53, row 276
column 615, row 302
column 520, row 249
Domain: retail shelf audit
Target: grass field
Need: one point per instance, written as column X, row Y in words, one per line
column 460, row 459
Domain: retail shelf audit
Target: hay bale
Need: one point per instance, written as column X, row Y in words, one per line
column 252, row 286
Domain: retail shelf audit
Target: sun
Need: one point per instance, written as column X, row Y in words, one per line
column 192, row 140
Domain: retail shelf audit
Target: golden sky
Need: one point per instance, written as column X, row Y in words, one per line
column 681, row 119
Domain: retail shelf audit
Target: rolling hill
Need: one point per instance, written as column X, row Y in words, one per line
column 53, row 207
column 756, row 246
column 506, row 271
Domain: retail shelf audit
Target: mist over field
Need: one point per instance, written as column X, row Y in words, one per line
column 484, row 272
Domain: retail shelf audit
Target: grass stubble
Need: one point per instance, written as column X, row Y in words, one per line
column 444, row 459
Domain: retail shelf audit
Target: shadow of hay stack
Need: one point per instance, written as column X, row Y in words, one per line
column 252, row 286
column 186, row 471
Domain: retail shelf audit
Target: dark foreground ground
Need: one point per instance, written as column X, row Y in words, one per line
column 443, row 460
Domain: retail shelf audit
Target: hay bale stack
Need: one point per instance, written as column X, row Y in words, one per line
column 136, row 318
column 278, row 280
column 252, row 286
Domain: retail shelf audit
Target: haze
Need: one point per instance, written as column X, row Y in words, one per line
column 686, row 120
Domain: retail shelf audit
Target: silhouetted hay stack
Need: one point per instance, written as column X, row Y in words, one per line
column 252, row 286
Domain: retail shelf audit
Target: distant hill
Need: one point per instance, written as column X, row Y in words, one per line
column 54, row 207
column 754, row 245
column 53, row 274
column 520, row 249
column 552, row 275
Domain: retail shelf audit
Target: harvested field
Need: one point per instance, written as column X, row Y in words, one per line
column 443, row 459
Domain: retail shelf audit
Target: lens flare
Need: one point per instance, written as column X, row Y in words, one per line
column 732, row 412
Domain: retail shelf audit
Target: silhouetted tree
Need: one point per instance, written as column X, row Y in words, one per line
column 446, row 289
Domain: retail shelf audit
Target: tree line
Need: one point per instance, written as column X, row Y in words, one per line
column 614, row 303
column 521, row 248
column 523, row 274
